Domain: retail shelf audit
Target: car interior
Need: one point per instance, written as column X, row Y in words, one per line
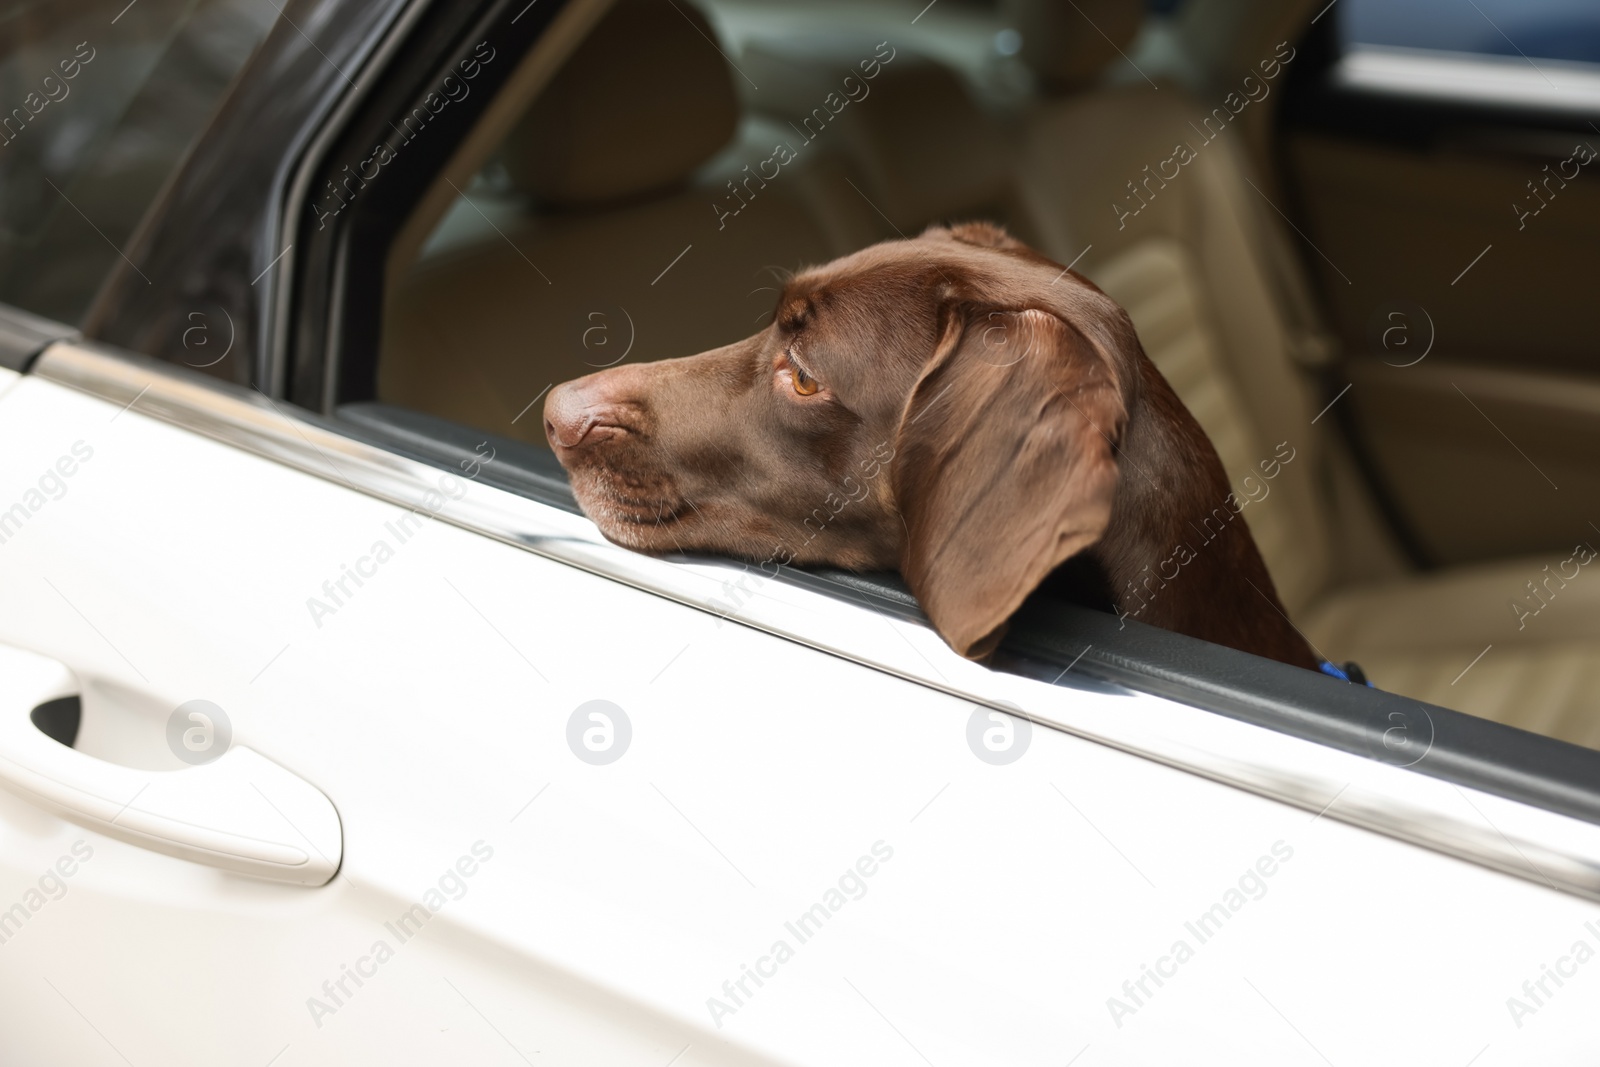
column 1300, row 249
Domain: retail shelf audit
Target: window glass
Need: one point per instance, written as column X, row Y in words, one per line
column 97, row 107
column 1538, row 29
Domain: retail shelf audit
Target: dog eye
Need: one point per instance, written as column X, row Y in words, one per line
column 804, row 384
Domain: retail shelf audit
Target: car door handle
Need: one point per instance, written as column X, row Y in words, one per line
column 240, row 812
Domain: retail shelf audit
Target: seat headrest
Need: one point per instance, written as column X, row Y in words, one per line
column 911, row 126
column 1067, row 43
column 642, row 102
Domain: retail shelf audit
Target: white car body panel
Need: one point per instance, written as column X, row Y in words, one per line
column 432, row 709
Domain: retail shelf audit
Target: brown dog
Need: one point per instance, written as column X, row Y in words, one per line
column 956, row 406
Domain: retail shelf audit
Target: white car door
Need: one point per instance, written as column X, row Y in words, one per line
column 585, row 814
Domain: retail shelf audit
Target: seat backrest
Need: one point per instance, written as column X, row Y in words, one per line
column 633, row 221
column 1145, row 192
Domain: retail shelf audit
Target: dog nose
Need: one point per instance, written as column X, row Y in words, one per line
column 568, row 416
column 581, row 413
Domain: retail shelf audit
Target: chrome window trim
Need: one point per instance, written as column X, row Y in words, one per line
column 1516, row 838
column 24, row 335
column 1467, row 78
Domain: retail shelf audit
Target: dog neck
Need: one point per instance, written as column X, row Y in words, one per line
column 1177, row 552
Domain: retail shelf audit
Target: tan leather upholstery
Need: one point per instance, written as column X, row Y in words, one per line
column 1541, row 671
column 593, row 136
column 1195, row 258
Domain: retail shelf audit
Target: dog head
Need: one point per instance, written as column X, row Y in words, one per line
column 949, row 406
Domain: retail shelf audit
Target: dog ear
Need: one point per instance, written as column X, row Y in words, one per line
column 1005, row 466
